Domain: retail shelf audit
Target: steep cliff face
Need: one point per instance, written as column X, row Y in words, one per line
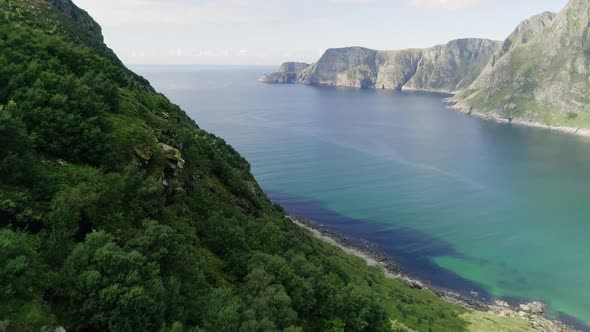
column 79, row 16
column 443, row 68
column 64, row 19
column 524, row 32
column 453, row 66
column 542, row 72
column 396, row 68
column 349, row 67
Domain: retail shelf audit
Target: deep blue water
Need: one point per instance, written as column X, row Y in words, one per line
column 460, row 202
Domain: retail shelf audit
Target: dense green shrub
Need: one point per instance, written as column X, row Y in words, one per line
column 118, row 213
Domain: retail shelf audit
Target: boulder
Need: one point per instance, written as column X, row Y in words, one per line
column 536, row 308
column 175, row 164
column 413, row 283
column 173, row 155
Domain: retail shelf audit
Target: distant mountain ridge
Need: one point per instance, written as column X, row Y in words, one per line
column 539, row 75
column 442, row 68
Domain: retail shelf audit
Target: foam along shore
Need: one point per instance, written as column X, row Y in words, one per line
column 495, row 315
column 456, row 105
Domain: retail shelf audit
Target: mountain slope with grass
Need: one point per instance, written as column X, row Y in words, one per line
column 542, row 75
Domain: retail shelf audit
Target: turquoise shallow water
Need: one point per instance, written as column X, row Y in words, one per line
column 461, row 202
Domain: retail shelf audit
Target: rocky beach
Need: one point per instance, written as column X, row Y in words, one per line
column 531, row 312
column 457, row 105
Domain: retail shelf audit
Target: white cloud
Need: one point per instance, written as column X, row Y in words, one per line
column 272, row 31
column 448, row 4
column 118, row 12
column 430, row 4
column 182, row 12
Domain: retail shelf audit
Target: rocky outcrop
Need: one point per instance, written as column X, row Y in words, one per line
column 396, row 68
column 293, row 67
column 542, row 73
column 533, row 307
column 524, row 32
column 288, row 73
column 173, row 156
column 443, row 68
column 175, row 164
column 350, row 67
column 79, row 16
column 80, row 28
column 452, row 67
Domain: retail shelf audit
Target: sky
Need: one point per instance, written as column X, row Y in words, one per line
column 269, row 32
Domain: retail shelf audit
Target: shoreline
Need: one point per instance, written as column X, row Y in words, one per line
column 531, row 312
column 455, row 105
column 452, row 103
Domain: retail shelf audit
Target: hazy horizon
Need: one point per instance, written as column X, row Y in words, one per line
column 258, row 32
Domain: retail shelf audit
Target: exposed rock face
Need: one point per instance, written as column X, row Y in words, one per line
column 351, row 67
column 533, row 307
column 173, row 156
column 175, row 163
column 288, row 73
column 396, row 68
column 542, row 72
column 293, row 67
column 524, row 32
column 79, row 16
column 82, row 29
column 452, row 67
column 443, row 68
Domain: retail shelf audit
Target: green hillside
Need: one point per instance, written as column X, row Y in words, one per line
column 117, row 213
column 542, row 73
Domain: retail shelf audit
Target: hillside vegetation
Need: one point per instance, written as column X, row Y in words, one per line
column 117, row 213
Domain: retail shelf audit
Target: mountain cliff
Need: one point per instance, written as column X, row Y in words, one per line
column 451, row 67
column 443, row 68
column 538, row 75
column 541, row 74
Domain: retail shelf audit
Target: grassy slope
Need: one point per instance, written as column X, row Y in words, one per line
column 528, row 71
column 118, row 213
column 481, row 321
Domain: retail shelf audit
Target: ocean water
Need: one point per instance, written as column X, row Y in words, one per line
column 460, row 202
